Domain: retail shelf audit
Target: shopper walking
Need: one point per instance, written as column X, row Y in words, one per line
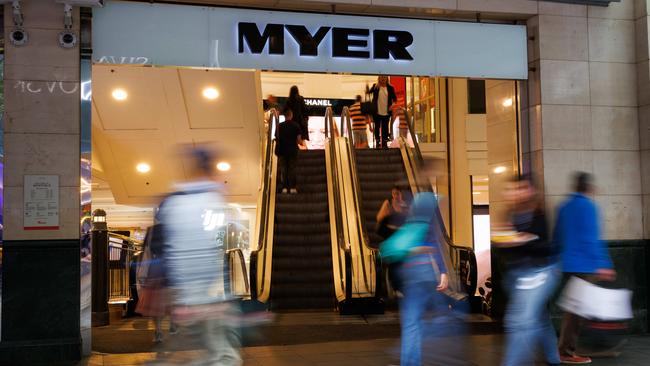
column 289, row 137
column 296, row 103
column 359, row 124
column 195, row 267
column 383, row 97
column 584, row 255
column 392, row 213
column 532, row 275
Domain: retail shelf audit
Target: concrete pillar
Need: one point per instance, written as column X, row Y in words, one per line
column 642, row 29
column 41, row 268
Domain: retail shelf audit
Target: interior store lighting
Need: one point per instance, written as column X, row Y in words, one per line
column 499, row 169
column 211, row 93
column 223, row 166
column 119, row 94
column 143, row 168
column 507, row 103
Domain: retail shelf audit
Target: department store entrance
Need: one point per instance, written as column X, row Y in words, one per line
column 146, row 99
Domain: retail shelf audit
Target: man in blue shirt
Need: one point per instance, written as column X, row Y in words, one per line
column 584, row 255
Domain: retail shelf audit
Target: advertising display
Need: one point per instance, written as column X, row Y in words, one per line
column 41, row 202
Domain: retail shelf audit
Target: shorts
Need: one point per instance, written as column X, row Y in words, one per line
column 360, row 136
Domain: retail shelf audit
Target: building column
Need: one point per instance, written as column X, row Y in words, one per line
column 642, row 27
column 41, row 268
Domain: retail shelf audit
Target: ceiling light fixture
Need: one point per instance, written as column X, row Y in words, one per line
column 507, row 102
column 119, row 94
column 211, row 93
column 143, row 168
column 499, row 169
column 223, row 166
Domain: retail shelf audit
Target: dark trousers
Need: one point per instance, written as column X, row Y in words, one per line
column 287, row 169
column 381, row 130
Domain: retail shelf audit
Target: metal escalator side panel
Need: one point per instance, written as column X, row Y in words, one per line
column 338, row 253
column 363, row 269
column 264, row 266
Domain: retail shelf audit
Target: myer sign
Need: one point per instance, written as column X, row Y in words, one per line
column 182, row 35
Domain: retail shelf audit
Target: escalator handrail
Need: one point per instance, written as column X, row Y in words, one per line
column 411, row 126
column 338, row 219
column 415, row 162
column 240, row 255
column 346, row 129
column 267, row 176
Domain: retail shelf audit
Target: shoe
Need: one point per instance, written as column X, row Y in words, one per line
column 293, row 191
column 284, row 190
column 574, row 360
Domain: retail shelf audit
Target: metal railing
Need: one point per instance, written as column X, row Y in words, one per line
column 121, row 253
column 239, row 285
column 261, row 258
column 460, row 260
column 357, row 224
column 340, row 249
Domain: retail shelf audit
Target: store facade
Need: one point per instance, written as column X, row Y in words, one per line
column 583, row 105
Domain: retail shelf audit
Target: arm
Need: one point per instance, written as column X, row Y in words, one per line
column 383, row 211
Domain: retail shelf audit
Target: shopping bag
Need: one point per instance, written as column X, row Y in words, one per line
column 593, row 302
column 397, row 246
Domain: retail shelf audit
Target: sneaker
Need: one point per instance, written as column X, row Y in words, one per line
column 293, row 191
column 574, row 360
column 284, row 190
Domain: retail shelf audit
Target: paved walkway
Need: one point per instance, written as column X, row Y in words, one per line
column 328, row 339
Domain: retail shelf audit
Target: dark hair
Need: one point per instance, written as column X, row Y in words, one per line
column 358, row 98
column 582, row 182
column 203, row 160
column 286, row 110
column 293, row 92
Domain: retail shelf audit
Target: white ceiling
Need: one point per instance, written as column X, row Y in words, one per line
column 165, row 108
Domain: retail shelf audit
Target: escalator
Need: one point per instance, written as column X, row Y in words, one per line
column 378, row 171
column 302, row 253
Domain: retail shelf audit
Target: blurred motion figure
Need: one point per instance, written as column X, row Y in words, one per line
column 195, row 266
column 532, row 276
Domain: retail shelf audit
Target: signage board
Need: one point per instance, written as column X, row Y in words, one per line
column 41, row 200
column 184, row 35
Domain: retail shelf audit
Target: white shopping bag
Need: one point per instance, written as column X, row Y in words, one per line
column 594, row 302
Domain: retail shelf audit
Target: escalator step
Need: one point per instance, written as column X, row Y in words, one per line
column 302, row 264
column 292, row 229
column 303, row 303
column 293, row 203
column 301, row 241
column 301, row 277
column 298, row 218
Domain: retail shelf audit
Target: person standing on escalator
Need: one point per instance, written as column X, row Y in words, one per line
column 296, row 103
column 286, row 148
column 383, row 97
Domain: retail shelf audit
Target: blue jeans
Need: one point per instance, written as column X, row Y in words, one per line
column 418, row 282
column 527, row 322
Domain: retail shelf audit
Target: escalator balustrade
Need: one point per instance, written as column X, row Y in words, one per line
column 302, row 254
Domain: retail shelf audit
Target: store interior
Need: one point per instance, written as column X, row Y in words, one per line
column 140, row 115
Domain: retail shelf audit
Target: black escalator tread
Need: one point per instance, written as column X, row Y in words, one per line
column 302, row 257
column 378, row 172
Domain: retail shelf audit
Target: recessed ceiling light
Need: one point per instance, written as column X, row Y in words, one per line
column 119, row 94
column 143, row 168
column 223, row 166
column 475, row 192
column 211, row 93
column 507, row 103
column 499, row 169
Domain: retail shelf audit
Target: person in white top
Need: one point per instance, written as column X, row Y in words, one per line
column 383, row 97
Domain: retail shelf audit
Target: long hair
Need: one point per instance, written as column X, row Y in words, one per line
column 293, row 93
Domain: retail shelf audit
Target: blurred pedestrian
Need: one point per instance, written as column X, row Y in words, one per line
column 195, row 265
column 297, row 104
column 399, row 114
column 383, row 97
column 286, row 148
column 584, row 255
column 422, row 272
column 532, row 276
column 360, row 123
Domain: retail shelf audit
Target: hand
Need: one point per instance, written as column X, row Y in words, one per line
column 606, row 274
column 444, row 282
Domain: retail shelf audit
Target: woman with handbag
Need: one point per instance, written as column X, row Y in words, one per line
column 532, row 276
